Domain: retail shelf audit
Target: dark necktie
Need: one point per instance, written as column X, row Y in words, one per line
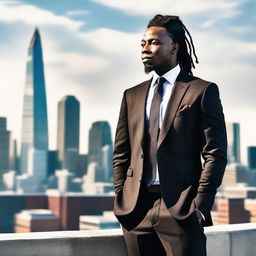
column 153, row 132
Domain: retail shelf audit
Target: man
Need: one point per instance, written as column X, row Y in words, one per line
column 163, row 192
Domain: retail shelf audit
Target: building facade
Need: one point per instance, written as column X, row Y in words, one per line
column 251, row 154
column 4, row 147
column 68, row 133
column 233, row 136
column 99, row 136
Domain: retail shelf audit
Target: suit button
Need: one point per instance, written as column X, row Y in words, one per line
column 141, row 156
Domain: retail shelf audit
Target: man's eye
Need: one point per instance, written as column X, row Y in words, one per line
column 155, row 42
column 142, row 45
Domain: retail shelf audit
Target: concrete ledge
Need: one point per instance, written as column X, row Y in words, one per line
column 63, row 243
column 226, row 240
column 231, row 240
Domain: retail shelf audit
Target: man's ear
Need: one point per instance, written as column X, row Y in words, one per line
column 175, row 47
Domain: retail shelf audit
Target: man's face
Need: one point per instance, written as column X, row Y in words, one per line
column 158, row 51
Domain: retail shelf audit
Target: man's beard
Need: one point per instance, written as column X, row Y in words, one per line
column 148, row 69
column 159, row 69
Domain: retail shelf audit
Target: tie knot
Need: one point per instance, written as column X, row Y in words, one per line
column 160, row 80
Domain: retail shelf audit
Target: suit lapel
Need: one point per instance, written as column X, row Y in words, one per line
column 179, row 89
column 141, row 97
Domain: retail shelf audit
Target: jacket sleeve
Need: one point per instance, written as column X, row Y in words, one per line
column 213, row 140
column 122, row 152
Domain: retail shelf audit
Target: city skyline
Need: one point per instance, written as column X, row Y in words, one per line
column 78, row 63
column 39, row 168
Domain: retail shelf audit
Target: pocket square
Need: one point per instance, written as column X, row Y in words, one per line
column 184, row 107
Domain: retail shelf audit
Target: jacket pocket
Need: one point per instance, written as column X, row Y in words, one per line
column 183, row 113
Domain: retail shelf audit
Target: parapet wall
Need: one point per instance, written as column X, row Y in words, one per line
column 225, row 240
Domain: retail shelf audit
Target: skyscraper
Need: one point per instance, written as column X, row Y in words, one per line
column 233, row 134
column 52, row 162
column 8, row 156
column 68, row 133
column 34, row 136
column 99, row 136
column 251, row 153
column 4, row 147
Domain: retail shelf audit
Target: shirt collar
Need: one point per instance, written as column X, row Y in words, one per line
column 170, row 76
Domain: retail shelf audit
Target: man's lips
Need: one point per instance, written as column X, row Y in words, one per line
column 146, row 59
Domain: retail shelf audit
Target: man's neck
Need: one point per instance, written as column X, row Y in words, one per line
column 162, row 70
column 165, row 71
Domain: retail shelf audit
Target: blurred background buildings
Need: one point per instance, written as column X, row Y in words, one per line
column 42, row 189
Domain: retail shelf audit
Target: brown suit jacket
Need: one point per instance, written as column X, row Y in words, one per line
column 193, row 127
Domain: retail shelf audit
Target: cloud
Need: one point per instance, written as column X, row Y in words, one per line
column 75, row 63
column 208, row 23
column 241, row 30
column 230, row 62
column 113, row 41
column 181, row 7
column 13, row 11
column 77, row 13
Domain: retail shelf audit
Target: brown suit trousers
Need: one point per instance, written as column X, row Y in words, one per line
column 159, row 233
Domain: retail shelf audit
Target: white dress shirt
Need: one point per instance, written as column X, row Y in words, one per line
column 170, row 77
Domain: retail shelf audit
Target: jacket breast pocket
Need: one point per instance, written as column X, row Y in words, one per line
column 183, row 113
column 183, row 123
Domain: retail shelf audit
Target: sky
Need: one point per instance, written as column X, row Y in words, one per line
column 91, row 50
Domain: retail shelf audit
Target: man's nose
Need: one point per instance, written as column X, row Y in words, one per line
column 146, row 48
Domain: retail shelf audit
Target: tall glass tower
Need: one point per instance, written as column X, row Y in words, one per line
column 34, row 137
column 233, row 134
column 68, row 133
